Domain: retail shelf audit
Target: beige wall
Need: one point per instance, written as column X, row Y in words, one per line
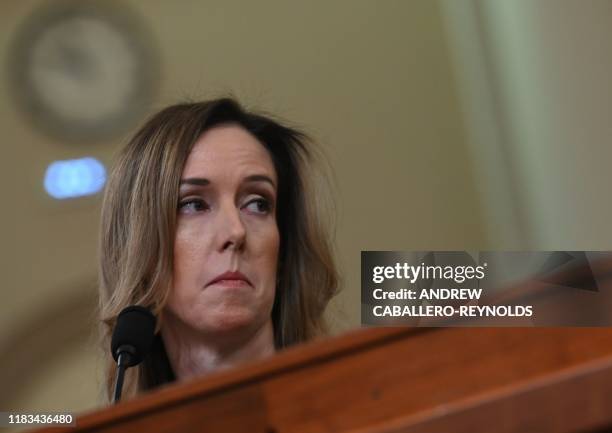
column 553, row 66
column 371, row 81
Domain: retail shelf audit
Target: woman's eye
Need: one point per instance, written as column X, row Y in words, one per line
column 192, row 205
column 259, row 205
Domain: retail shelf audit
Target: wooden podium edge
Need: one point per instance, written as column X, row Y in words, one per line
column 587, row 387
column 290, row 359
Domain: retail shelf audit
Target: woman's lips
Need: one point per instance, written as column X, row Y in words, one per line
column 231, row 283
column 230, row 279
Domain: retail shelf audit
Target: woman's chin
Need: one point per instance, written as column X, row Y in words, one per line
column 231, row 321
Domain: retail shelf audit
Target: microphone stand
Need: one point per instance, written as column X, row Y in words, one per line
column 123, row 362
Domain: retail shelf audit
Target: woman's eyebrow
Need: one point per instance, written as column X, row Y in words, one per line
column 260, row 178
column 194, row 181
column 252, row 178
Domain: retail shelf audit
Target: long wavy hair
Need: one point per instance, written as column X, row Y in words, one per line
column 138, row 224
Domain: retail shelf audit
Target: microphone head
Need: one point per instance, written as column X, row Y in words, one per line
column 135, row 331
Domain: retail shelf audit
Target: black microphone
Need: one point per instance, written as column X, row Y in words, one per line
column 132, row 339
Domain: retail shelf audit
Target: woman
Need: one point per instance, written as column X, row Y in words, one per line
column 208, row 219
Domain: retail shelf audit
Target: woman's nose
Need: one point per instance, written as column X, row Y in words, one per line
column 232, row 231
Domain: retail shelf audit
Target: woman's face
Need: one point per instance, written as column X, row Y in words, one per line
column 227, row 240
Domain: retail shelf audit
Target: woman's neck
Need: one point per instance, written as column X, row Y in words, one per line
column 192, row 355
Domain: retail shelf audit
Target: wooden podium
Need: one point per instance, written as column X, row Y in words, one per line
column 394, row 380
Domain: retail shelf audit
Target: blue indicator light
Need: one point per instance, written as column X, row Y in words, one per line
column 74, row 178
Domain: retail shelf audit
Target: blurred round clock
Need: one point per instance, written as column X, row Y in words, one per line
column 83, row 71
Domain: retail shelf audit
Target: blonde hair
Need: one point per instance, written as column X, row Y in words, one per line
column 139, row 219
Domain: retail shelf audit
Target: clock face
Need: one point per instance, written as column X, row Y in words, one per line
column 83, row 72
